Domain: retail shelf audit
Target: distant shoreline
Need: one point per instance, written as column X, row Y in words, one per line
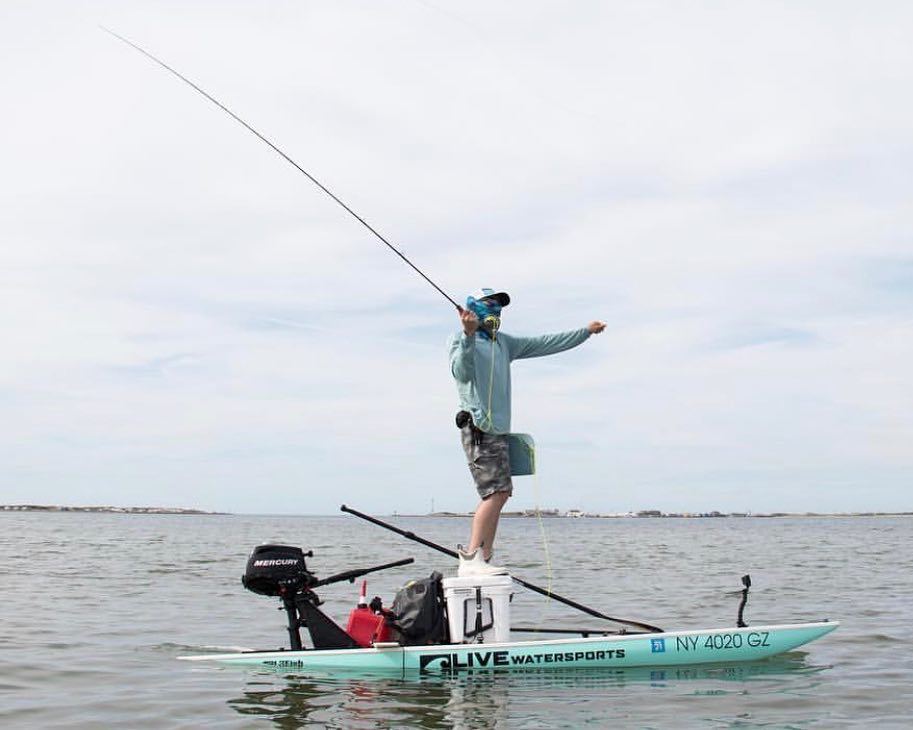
column 106, row 509
column 544, row 513
column 656, row 514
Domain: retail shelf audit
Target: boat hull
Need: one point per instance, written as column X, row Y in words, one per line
column 674, row 648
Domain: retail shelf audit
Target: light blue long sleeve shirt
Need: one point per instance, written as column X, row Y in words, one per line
column 481, row 368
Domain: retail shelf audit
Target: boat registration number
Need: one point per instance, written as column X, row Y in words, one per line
column 722, row 642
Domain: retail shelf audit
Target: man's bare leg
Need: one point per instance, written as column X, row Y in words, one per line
column 485, row 523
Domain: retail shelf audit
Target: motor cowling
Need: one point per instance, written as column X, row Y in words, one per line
column 275, row 570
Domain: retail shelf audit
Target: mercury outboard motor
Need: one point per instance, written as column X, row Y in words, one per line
column 277, row 570
column 280, row 570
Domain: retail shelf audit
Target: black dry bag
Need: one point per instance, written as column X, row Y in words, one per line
column 418, row 612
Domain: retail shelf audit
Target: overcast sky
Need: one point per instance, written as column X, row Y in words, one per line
column 188, row 321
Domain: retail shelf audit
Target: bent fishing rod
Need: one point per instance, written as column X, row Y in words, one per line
column 537, row 589
column 284, row 156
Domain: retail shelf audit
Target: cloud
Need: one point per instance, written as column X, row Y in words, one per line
column 749, row 334
column 188, row 319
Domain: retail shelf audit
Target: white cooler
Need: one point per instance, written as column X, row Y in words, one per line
column 474, row 602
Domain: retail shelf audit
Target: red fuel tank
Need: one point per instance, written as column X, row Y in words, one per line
column 366, row 627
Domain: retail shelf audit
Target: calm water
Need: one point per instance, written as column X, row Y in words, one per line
column 96, row 607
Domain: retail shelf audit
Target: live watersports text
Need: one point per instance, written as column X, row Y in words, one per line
column 454, row 662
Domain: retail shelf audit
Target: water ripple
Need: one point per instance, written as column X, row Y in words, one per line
column 130, row 593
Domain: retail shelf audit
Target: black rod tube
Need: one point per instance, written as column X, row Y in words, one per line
column 525, row 584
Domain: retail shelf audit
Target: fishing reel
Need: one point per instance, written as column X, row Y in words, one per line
column 491, row 324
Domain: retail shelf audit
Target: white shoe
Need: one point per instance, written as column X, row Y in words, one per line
column 463, row 555
column 467, row 560
column 474, row 564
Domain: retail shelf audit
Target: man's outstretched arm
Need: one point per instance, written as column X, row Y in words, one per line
column 522, row 347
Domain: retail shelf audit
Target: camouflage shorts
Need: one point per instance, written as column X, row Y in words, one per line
column 489, row 462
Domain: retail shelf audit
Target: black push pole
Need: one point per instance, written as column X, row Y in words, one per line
column 542, row 591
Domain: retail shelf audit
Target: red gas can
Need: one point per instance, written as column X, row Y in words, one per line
column 365, row 626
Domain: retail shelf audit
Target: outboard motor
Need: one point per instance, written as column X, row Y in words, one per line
column 277, row 570
column 280, row 570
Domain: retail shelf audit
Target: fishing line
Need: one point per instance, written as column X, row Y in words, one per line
column 531, row 453
column 286, row 158
column 536, row 493
column 342, row 204
column 491, row 383
column 544, row 535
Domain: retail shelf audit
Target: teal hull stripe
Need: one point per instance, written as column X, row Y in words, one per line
column 675, row 648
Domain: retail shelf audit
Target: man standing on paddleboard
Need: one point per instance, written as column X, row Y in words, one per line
column 480, row 358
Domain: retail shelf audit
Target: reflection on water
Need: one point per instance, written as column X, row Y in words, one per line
column 486, row 699
column 291, row 702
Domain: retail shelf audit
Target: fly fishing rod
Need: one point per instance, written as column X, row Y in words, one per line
column 537, row 589
column 286, row 158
